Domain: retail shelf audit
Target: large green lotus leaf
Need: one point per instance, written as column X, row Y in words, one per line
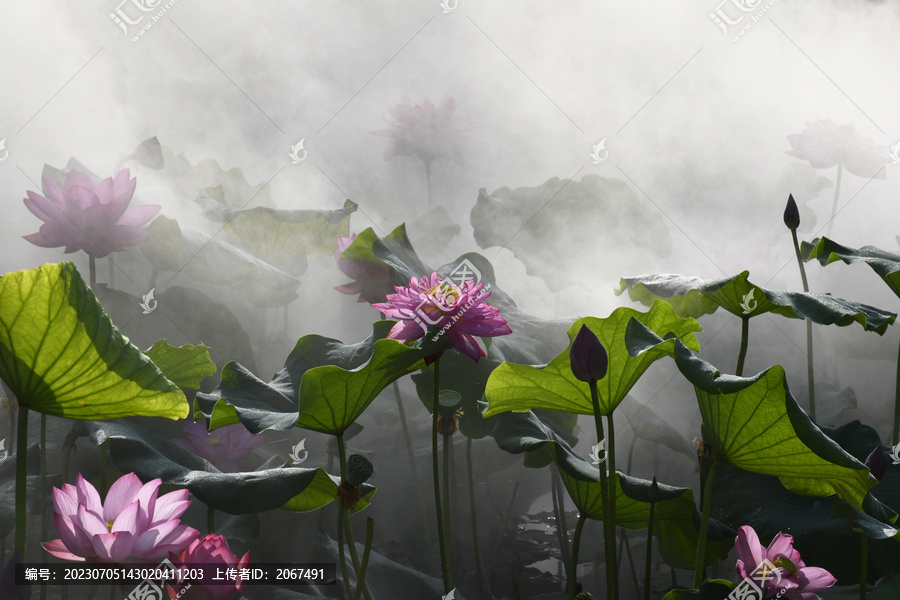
column 553, row 386
column 186, row 366
column 754, row 423
column 884, row 263
column 675, row 518
column 696, row 296
column 565, row 228
column 200, row 258
column 186, row 315
column 324, row 386
column 134, row 448
column 61, row 355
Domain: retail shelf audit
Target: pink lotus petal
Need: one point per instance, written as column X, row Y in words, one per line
column 748, row 548
column 90, row 522
column 783, row 545
column 64, row 502
column 113, row 547
column 813, row 579
column 87, row 495
column 59, row 550
column 128, row 519
column 171, row 506
column 78, row 178
column 53, row 193
column 73, row 537
column 139, row 215
column 42, row 208
column 121, row 494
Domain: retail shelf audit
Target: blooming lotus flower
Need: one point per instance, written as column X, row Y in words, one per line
column 131, row 524
column 211, row 550
column 825, row 144
column 428, row 131
column 791, row 574
column 372, row 281
column 89, row 217
column 224, row 447
column 461, row 312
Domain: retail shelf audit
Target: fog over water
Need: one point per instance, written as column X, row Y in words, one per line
column 695, row 125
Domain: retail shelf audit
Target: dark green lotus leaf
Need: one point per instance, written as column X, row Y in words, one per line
column 860, row 521
column 754, row 423
column 135, row 448
column 674, row 521
column 200, row 258
column 61, row 355
column 519, row 387
column 182, row 314
column 696, row 296
column 324, row 386
column 711, row 589
column 826, row 251
column 186, row 366
column 565, row 228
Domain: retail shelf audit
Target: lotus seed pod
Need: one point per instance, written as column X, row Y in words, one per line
column 584, row 596
column 448, row 401
column 359, row 469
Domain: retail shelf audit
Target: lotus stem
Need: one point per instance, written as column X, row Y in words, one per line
column 428, row 183
column 863, row 565
column 361, row 576
column 478, row 568
column 634, row 578
column 704, row 524
column 112, row 591
column 445, row 560
column 649, row 551
column 837, row 192
column 44, row 518
column 573, row 562
column 745, row 333
column 445, row 499
column 897, row 402
column 112, row 272
column 102, row 450
column 344, row 517
column 154, row 273
column 92, row 271
column 809, row 336
column 609, row 532
column 611, row 462
column 21, row 480
column 343, row 558
column 562, row 532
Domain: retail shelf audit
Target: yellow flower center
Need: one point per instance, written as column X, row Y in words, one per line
column 212, row 441
column 109, row 524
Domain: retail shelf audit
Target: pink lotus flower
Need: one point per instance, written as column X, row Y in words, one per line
column 458, row 311
column 93, row 218
column 792, row 574
column 131, row 524
column 224, row 447
column 372, row 281
column 213, row 551
column 425, row 130
column 825, row 144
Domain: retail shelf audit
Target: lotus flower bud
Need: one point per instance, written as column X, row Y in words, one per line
column 359, row 469
column 877, row 463
column 791, row 213
column 588, row 357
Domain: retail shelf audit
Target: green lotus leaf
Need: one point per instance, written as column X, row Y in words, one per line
column 553, row 386
column 134, row 448
column 61, row 355
column 884, row 263
column 675, row 517
column 696, row 296
column 754, row 423
column 324, row 386
column 185, row 366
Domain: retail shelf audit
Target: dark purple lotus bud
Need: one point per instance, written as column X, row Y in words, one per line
column 588, row 357
column 877, row 463
column 791, row 213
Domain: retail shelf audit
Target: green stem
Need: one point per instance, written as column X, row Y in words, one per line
column 21, row 480
column 863, row 566
column 112, row 275
column 210, row 519
column 611, row 463
column 479, row 569
column 561, row 519
column 344, row 518
column 370, row 528
column 562, row 537
column 809, row 336
column 649, row 552
column 837, row 192
column 112, row 591
column 634, row 579
column 745, row 333
column 609, row 532
column 704, row 525
column 92, row 271
column 445, row 501
column 573, row 562
column 342, row 556
column 436, row 478
column 44, row 518
column 103, row 470
column 897, row 402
